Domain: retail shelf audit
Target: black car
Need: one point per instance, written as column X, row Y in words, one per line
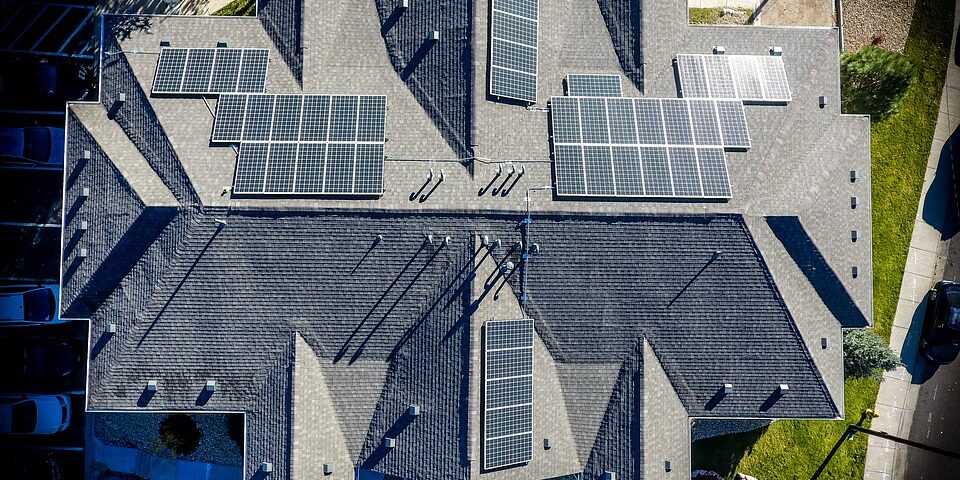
column 940, row 340
column 37, row 360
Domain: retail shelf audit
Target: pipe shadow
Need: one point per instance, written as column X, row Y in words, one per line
column 713, row 258
column 718, row 396
column 413, row 196
column 415, row 60
column 509, row 189
column 496, row 191
column 486, row 189
column 391, row 21
column 423, row 198
column 364, row 257
column 393, row 432
column 100, row 345
column 145, row 397
column 771, row 400
column 203, row 398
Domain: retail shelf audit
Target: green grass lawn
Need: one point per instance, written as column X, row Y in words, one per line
column 238, row 8
column 900, row 146
column 711, row 16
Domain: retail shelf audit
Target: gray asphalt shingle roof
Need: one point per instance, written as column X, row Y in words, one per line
column 388, row 325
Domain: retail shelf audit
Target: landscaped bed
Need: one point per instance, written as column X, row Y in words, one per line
column 900, row 146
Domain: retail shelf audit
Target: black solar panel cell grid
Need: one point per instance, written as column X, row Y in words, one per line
column 281, row 168
column 310, row 167
column 746, row 77
column 170, row 68
column 196, row 77
column 226, row 68
column 229, row 121
column 340, row 164
column 627, row 171
column 656, row 171
column 686, row 175
column 733, row 124
column 774, row 78
column 719, row 76
column 568, row 167
column 343, row 118
column 515, row 29
column 693, row 76
column 253, row 71
column 371, row 121
column 507, row 421
column 508, row 391
column 509, row 334
column 316, row 114
column 587, row 85
column 510, row 55
column 502, row 452
column 509, row 363
column 593, row 120
column 369, row 170
column 706, row 126
column 512, row 84
column 524, row 8
column 649, row 121
column 676, row 117
column 623, row 127
column 286, row 118
column 565, row 117
column 258, row 119
column 599, row 170
column 251, row 163
column 713, row 172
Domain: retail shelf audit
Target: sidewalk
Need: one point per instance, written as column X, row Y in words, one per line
column 925, row 261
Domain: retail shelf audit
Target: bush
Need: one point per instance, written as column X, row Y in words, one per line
column 179, row 432
column 874, row 81
column 866, row 354
column 238, row 8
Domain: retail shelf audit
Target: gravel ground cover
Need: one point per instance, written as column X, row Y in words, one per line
column 886, row 20
column 141, row 431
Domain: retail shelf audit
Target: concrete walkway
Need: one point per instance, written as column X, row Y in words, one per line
column 897, row 399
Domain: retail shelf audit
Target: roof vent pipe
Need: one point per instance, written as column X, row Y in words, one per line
column 667, row 466
column 854, row 235
column 496, row 244
column 413, row 410
column 405, row 4
column 518, row 246
column 823, row 343
column 210, row 386
column 435, row 36
column 83, row 225
column 854, row 201
column 152, row 386
column 111, row 329
column 83, row 253
column 727, row 388
column 547, row 443
column 222, row 43
column 378, row 240
column 855, row 271
column 429, row 240
column 485, row 241
column 84, row 192
column 776, row 51
column 719, row 50
column 389, row 442
column 447, row 241
column 86, row 155
column 853, row 176
column 783, row 389
column 164, row 42
column 328, row 467
column 266, row 467
column 609, row 475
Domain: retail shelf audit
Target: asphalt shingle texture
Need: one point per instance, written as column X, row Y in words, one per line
column 623, row 22
column 283, row 22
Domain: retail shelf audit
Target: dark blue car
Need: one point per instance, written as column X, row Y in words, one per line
column 940, row 339
column 38, row 146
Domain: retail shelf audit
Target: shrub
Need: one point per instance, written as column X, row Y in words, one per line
column 874, row 81
column 238, row 8
column 179, row 432
column 866, row 354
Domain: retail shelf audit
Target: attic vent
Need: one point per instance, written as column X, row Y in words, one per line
column 855, row 271
column 111, row 328
column 727, row 388
column 783, row 389
column 853, row 176
column 435, row 36
column 823, row 343
column 222, row 43
column 609, row 476
column 83, row 225
column 719, row 50
column 854, row 235
column 164, row 42
column 84, row 192
column 211, row 386
column 547, row 443
column 389, row 442
column 83, row 253
column 328, row 469
column 776, row 51
column 667, row 466
column 854, row 201
column 266, row 467
column 152, row 386
column 413, row 410
column 86, row 155
column 405, row 4
column 823, row 101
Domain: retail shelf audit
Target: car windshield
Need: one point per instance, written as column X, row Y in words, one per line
column 38, row 305
column 24, row 417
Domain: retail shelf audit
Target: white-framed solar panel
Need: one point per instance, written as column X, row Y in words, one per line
column 514, row 49
column 593, row 85
column 750, row 78
column 202, row 71
column 645, row 147
column 508, row 393
column 304, row 144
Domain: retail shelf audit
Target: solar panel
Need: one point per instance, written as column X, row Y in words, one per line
column 210, row 70
column 315, row 144
column 751, row 78
column 508, row 393
column 594, row 85
column 644, row 147
column 514, row 49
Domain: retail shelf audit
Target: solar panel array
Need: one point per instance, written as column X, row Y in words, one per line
column 508, row 393
column 211, row 70
column 645, row 147
column 751, row 78
column 513, row 49
column 594, row 85
column 304, row 144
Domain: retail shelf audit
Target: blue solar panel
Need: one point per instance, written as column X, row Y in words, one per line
column 508, row 393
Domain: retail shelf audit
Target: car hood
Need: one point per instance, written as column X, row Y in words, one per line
column 11, row 142
column 49, row 414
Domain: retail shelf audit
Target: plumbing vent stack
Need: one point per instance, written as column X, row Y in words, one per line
column 776, row 51
column 222, row 43
column 405, row 4
column 86, row 155
column 121, row 98
column 435, row 36
column 447, row 241
column 719, row 50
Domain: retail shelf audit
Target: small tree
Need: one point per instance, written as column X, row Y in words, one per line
column 179, row 432
column 874, row 81
column 865, row 354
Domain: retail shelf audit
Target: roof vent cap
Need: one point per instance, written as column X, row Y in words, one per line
column 447, row 241
column 776, row 51
column 328, row 469
column 210, row 386
column 121, row 98
column 83, row 253
column 389, row 442
column 222, row 43
column 378, row 240
column 266, row 467
column 83, row 225
column 609, row 475
column 111, row 328
column 413, row 410
column 823, row 343
column 86, row 155
column 429, row 240
column 164, row 42
column 547, row 443
column 496, row 244
column 518, row 246
column 854, row 201
column 506, row 268
column 152, row 386
column 667, row 466
column 405, row 4
column 783, row 389
column 854, row 235
column 485, row 240
column 853, row 176
column 719, row 50
column 727, row 388
column 84, row 192
column 435, row 36
column 855, row 271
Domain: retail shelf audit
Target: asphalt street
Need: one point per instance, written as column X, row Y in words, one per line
column 936, row 420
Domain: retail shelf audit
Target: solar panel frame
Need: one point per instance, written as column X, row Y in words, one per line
column 209, row 71
column 514, row 62
column 750, row 78
column 508, row 393
column 593, row 85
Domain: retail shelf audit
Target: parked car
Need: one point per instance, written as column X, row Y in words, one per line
column 22, row 305
column 41, row 146
column 37, row 360
column 34, row 414
column 940, row 338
